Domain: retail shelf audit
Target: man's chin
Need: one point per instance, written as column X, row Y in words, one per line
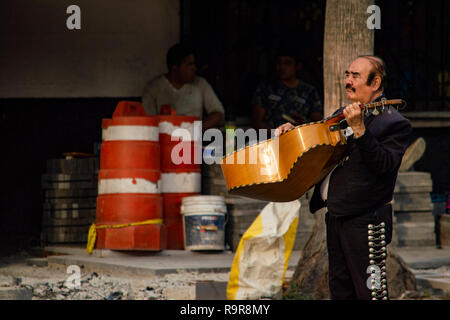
column 351, row 96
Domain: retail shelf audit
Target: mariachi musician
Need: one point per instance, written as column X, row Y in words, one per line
column 358, row 192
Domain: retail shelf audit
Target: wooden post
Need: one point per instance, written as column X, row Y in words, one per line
column 346, row 36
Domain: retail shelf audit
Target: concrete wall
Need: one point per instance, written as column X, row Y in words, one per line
column 121, row 45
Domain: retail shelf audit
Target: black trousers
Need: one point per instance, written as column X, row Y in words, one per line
column 357, row 254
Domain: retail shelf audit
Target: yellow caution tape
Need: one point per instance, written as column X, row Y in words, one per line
column 92, row 235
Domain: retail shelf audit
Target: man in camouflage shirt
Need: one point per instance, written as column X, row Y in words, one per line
column 287, row 95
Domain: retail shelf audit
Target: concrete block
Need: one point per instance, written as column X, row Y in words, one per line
column 69, row 185
column 64, row 238
column 211, row 290
column 67, row 229
column 246, row 202
column 65, row 234
column 414, row 234
column 441, row 282
column 242, row 213
column 38, row 262
column 445, row 230
column 412, row 202
column 237, row 213
column 213, row 171
column 419, row 216
column 70, row 214
column 51, row 222
column 71, row 193
column 70, row 203
column 64, row 177
column 413, row 181
column 72, row 166
column 8, row 293
column 181, row 293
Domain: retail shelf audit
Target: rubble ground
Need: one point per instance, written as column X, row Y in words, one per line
column 49, row 283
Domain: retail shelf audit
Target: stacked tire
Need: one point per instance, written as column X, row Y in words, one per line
column 129, row 182
column 69, row 207
column 180, row 172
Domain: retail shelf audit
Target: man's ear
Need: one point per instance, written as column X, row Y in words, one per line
column 376, row 83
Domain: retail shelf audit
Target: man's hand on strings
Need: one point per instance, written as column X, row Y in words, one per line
column 354, row 117
column 283, row 128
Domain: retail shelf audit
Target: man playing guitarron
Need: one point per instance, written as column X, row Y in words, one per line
column 358, row 192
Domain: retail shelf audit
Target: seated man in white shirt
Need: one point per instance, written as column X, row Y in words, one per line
column 183, row 90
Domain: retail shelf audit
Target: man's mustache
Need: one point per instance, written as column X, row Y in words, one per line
column 348, row 86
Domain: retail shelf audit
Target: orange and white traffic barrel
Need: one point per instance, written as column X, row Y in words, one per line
column 129, row 202
column 180, row 171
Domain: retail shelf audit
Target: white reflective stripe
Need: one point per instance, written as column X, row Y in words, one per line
column 126, row 185
column 181, row 182
column 144, row 133
column 168, row 128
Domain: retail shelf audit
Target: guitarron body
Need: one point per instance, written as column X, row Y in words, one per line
column 306, row 154
column 284, row 168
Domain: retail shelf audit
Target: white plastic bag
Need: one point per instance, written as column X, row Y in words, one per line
column 262, row 257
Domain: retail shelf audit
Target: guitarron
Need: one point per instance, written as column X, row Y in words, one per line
column 283, row 168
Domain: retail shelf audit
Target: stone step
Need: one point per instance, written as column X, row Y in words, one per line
column 410, row 178
column 412, row 202
column 414, row 234
column 423, row 242
column 420, row 216
column 413, row 181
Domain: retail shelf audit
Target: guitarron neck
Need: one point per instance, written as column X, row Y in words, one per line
column 372, row 105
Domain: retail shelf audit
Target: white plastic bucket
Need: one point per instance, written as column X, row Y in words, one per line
column 204, row 222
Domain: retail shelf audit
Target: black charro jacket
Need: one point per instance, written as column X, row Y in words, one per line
column 367, row 179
